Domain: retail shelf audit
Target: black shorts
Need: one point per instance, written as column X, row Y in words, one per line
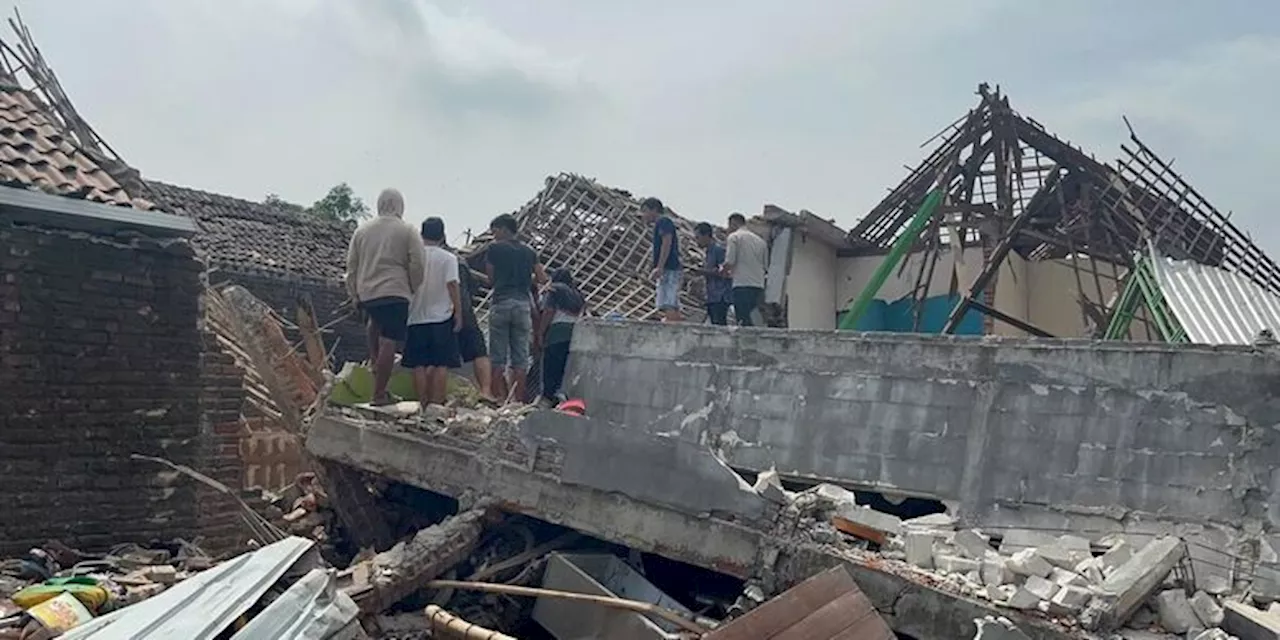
column 391, row 315
column 431, row 345
column 471, row 343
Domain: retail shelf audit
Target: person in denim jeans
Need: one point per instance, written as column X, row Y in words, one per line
column 513, row 268
column 667, row 274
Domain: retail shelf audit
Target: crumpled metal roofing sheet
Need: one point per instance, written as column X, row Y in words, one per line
column 311, row 609
column 1213, row 305
column 202, row 606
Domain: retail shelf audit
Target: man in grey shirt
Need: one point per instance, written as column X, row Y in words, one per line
column 746, row 258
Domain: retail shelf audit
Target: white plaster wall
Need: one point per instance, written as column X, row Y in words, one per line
column 811, row 284
column 854, row 274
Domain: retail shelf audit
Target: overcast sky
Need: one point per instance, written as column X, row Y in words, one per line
column 467, row 105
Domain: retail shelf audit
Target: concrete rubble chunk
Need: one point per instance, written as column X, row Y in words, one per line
column 1118, row 554
column 1091, row 569
column 1071, row 599
column 1176, row 614
column 1132, row 584
column 1247, row 623
column 1023, row 599
column 947, row 563
column 1066, row 551
column 931, row 522
column 972, row 544
column 769, row 486
column 995, row 570
column 885, row 523
column 1064, row 578
column 993, row 628
column 1043, row 588
column 1015, row 540
column 1207, row 609
column 1029, row 563
column 919, row 548
column 1215, row 585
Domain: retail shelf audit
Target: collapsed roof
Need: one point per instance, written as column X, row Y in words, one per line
column 1012, row 187
column 596, row 232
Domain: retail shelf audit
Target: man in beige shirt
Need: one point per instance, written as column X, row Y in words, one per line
column 746, row 259
column 384, row 269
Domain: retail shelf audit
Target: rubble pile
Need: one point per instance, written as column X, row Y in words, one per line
column 1107, row 587
column 54, row 588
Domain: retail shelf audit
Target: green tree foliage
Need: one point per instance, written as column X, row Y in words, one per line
column 340, row 205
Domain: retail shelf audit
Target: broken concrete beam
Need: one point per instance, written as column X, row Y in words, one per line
column 1064, row 578
column 1029, row 563
column 1071, row 599
column 1248, row 623
column 972, row 544
column 407, row 566
column 1132, row 584
column 939, row 522
column 1176, row 614
column 1118, row 554
column 1207, row 609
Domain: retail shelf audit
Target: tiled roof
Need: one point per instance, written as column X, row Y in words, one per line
column 244, row 235
column 34, row 154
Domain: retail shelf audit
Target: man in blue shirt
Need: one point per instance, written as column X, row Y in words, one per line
column 666, row 258
column 719, row 288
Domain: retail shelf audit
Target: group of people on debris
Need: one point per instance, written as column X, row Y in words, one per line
column 417, row 296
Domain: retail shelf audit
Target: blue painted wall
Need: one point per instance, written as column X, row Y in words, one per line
column 896, row 317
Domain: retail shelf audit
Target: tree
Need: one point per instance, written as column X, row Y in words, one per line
column 274, row 200
column 340, row 205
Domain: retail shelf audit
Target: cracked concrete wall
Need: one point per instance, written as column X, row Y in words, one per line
column 1018, row 432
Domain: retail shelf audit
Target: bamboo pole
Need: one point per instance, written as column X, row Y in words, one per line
column 454, row 627
column 646, row 608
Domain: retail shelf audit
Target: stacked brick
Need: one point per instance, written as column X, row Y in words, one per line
column 101, row 357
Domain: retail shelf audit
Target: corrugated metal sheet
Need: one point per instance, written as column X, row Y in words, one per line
column 828, row 606
column 1213, row 305
column 312, row 608
column 202, row 606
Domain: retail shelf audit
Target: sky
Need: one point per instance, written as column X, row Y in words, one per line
column 467, row 106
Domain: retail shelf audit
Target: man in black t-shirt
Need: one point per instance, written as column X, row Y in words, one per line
column 513, row 269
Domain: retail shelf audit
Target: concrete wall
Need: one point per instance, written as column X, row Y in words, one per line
column 101, row 357
column 1013, row 431
column 811, row 284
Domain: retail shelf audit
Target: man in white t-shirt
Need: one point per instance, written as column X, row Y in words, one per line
column 435, row 318
column 746, row 259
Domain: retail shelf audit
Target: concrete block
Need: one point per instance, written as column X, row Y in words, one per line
column 1029, row 563
column 919, row 548
column 1118, row 554
column 1207, row 609
column 1176, row 614
column 931, row 522
column 995, row 570
column 953, row 564
column 1248, row 623
column 1023, row 599
column 1064, row 578
column 1071, row 599
column 1066, row 551
column 1015, row 540
column 971, row 544
column 1215, row 585
column 1132, row 584
column 769, row 486
column 1043, row 588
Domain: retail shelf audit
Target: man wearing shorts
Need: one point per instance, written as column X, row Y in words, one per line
column 513, row 268
column 471, row 343
column 384, row 270
column 666, row 258
column 435, row 318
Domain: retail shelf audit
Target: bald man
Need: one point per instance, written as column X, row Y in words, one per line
column 384, row 269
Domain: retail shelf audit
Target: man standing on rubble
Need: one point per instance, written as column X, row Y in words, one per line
column 384, row 270
column 471, row 341
column 746, row 258
column 666, row 258
column 719, row 288
column 513, row 269
column 435, row 318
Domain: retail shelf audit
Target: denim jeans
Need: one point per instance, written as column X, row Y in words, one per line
column 510, row 328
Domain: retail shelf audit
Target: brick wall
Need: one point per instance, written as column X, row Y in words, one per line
column 102, row 358
column 282, row 292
